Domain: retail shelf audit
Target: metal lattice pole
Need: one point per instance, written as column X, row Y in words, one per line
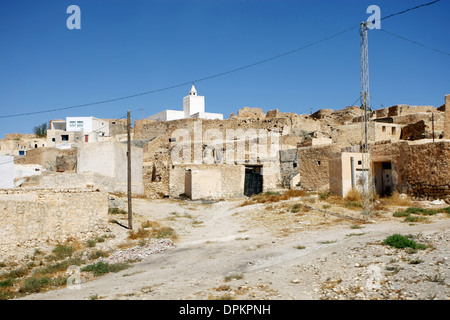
column 366, row 178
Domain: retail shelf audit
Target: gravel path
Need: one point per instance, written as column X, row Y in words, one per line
column 228, row 251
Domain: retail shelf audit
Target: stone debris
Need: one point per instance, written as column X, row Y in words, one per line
column 140, row 252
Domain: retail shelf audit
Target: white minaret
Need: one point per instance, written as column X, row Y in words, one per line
column 193, row 103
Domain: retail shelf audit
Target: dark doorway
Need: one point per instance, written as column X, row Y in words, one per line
column 253, row 183
column 387, row 178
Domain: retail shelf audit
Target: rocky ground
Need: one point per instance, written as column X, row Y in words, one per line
column 302, row 248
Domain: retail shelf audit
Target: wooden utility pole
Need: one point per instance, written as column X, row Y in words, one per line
column 130, row 211
column 432, row 121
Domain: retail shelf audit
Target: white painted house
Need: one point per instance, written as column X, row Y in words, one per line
column 193, row 107
column 62, row 134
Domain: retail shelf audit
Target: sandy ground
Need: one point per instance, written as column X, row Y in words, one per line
column 265, row 251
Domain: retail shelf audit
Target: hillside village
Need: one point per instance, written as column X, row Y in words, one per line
column 65, row 184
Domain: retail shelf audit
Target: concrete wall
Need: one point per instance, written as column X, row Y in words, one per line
column 340, row 173
column 167, row 115
column 30, row 216
column 109, row 158
column 193, row 104
column 6, row 171
column 207, row 181
column 27, row 170
column 207, row 115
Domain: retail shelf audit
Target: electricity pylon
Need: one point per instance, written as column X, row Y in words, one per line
column 366, row 178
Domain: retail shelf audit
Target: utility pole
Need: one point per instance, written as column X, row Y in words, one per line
column 432, row 121
column 130, row 211
column 367, row 188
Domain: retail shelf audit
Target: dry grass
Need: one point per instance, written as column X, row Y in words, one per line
column 274, row 196
column 353, row 195
column 152, row 229
column 397, row 199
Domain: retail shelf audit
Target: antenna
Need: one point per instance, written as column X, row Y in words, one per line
column 367, row 181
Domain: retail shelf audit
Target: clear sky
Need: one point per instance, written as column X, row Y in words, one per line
column 127, row 47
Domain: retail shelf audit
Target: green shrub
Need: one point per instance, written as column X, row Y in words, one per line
column 90, row 243
column 422, row 211
column 323, row 196
column 34, row 285
column 399, row 241
column 400, row 214
column 7, row 283
column 101, row 268
column 415, row 219
column 61, row 266
column 60, row 252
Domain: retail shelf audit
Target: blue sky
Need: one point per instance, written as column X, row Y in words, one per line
column 127, row 47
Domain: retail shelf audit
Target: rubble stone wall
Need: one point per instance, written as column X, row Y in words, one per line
column 30, row 216
column 314, row 166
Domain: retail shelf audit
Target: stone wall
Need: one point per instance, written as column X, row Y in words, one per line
column 30, row 216
column 314, row 166
column 425, row 168
column 413, row 131
column 418, row 168
column 447, row 117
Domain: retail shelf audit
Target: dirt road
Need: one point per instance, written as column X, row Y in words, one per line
column 228, row 251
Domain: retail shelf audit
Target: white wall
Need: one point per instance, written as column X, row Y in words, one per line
column 100, row 127
column 27, row 170
column 109, row 158
column 87, row 124
column 6, row 172
column 167, row 115
column 207, row 115
column 193, row 104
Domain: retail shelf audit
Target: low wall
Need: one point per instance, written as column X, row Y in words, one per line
column 230, row 178
column 30, row 216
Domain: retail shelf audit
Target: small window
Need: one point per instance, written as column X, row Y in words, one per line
column 393, row 130
column 318, row 162
column 72, row 123
column 359, row 162
column 79, row 124
column 65, row 137
column 53, row 139
column 383, row 128
column 21, row 153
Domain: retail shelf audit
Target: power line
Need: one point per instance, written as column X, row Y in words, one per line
column 212, row 76
column 415, row 42
column 184, row 83
column 410, row 9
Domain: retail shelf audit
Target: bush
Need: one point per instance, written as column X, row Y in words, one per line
column 401, row 242
column 101, row 268
column 34, row 285
column 61, row 252
column 400, row 214
column 422, row 211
